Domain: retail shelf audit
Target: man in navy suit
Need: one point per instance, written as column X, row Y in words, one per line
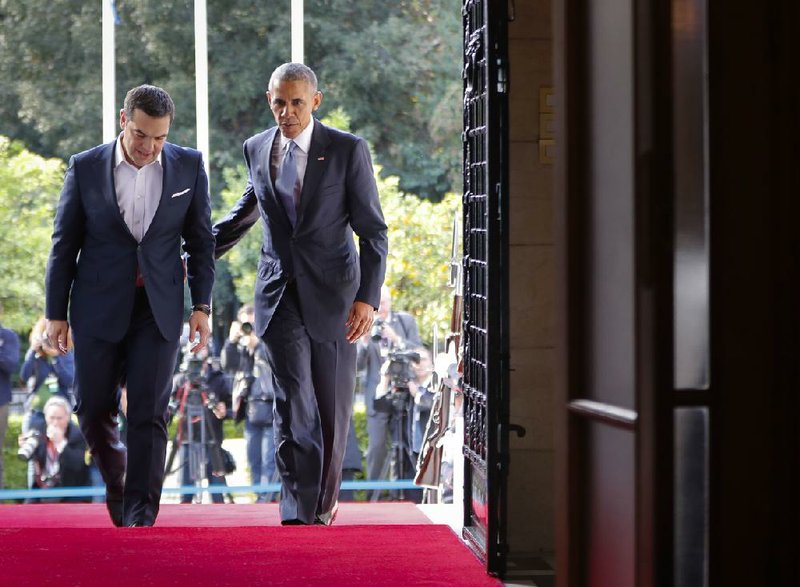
column 116, row 265
column 312, row 186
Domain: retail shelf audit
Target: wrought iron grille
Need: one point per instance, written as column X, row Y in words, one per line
column 485, row 280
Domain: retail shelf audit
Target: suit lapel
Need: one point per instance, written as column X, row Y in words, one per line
column 105, row 173
column 261, row 167
column 171, row 167
column 315, row 167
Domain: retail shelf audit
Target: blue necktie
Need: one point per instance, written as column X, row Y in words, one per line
column 284, row 183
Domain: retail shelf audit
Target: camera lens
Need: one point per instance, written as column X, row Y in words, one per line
column 25, row 452
column 247, row 328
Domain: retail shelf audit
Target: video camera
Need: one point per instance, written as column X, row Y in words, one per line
column 400, row 367
column 195, row 388
column 376, row 333
column 401, row 371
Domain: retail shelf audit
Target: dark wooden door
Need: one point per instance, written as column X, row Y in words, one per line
column 615, row 229
column 678, row 226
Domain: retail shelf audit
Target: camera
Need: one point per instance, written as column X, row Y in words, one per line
column 29, row 445
column 194, row 370
column 400, row 368
column 247, row 328
column 377, row 330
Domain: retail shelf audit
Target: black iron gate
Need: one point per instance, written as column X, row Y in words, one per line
column 485, row 327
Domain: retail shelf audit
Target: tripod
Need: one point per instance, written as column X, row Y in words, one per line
column 195, row 434
column 400, row 458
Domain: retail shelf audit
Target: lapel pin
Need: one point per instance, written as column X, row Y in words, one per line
column 320, row 158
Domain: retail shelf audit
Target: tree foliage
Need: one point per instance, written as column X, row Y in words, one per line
column 29, row 188
column 393, row 66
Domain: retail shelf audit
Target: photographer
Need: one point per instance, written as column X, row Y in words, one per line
column 422, row 389
column 44, row 364
column 9, row 361
column 201, row 375
column 391, row 331
column 58, row 453
column 45, row 373
column 244, row 357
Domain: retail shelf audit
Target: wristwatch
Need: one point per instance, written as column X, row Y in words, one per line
column 204, row 308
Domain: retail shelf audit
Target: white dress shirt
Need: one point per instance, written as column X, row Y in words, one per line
column 138, row 191
column 303, row 142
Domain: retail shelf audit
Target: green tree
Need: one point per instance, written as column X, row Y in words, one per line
column 393, row 66
column 29, row 188
column 420, row 233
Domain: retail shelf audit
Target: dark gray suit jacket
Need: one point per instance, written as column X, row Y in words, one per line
column 93, row 260
column 339, row 197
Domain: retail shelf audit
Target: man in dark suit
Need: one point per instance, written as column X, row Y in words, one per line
column 116, row 264
column 312, row 186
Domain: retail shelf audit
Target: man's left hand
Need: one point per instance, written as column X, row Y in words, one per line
column 198, row 324
column 359, row 321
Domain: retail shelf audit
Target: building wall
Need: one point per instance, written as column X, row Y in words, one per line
column 532, row 278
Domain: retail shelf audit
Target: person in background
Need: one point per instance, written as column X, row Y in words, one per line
column 244, row 357
column 58, row 454
column 215, row 392
column 393, row 331
column 422, row 390
column 45, row 365
column 9, row 360
column 46, row 373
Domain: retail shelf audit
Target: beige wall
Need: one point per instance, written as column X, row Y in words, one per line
column 532, row 285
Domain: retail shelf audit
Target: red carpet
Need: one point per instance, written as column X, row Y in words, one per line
column 198, row 545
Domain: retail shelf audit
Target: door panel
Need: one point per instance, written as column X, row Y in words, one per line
column 611, row 507
column 614, row 223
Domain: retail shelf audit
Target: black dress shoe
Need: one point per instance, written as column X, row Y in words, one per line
column 114, row 507
column 293, row 522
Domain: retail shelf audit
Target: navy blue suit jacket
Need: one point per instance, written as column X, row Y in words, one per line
column 339, row 197
column 93, row 260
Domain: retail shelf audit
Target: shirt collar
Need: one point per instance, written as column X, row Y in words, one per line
column 303, row 140
column 119, row 154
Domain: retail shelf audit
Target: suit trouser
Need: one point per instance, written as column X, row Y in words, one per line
column 146, row 362
column 314, row 384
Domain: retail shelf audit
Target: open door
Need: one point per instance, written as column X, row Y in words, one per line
column 678, row 448
column 485, row 269
column 615, row 240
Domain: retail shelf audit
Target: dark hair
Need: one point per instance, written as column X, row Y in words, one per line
column 291, row 72
column 151, row 100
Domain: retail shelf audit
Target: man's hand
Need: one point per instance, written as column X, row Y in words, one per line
column 55, row 434
column 220, row 411
column 198, row 324
column 359, row 321
column 57, row 332
column 235, row 332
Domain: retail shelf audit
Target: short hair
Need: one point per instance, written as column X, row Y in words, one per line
column 59, row 401
column 292, row 72
column 151, row 100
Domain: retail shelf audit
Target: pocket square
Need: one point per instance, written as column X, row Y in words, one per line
column 177, row 194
